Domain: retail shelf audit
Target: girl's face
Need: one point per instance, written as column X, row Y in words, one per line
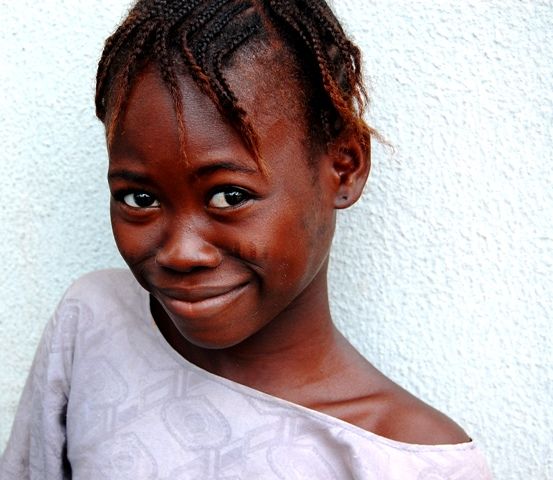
column 224, row 248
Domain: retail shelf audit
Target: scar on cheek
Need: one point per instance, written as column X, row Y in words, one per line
column 252, row 250
column 249, row 251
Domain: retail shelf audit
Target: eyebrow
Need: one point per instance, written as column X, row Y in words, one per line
column 204, row 171
column 231, row 166
column 128, row 175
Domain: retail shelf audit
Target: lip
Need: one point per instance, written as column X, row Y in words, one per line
column 200, row 301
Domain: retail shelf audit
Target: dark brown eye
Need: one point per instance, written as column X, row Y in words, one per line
column 229, row 197
column 140, row 200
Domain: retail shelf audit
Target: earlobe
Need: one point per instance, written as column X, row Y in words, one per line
column 351, row 165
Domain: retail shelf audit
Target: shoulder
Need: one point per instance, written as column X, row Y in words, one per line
column 103, row 287
column 101, row 281
column 93, row 307
column 410, row 420
column 96, row 293
column 377, row 404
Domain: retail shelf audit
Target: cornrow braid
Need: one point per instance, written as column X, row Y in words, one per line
column 291, row 15
column 201, row 37
column 111, row 49
column 345, row 48
column 162, row 51
column 337, row 66
column 238, row 114
column 205, row 17
column 205, row 39
column 123, row 79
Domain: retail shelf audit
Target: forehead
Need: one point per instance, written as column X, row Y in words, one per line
column 149, row 123
column 267, row 82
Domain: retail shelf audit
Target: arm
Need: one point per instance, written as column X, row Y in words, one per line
column 37, row 445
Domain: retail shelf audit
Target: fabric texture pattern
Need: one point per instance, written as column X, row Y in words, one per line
column 108, row 398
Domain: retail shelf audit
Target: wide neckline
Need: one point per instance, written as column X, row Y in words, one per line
column 282, row 403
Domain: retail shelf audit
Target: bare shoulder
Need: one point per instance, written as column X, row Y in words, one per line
column 375, row 403
column 410, row 420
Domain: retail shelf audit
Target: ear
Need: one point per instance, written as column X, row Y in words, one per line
column 351, row 164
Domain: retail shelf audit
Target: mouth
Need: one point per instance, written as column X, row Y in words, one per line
column 199, row 301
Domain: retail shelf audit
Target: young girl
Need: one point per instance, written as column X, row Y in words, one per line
column 234, row 132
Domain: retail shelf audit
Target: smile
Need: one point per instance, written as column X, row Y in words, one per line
column 199, row 301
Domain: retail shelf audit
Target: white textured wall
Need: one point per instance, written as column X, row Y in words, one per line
column 442, row 275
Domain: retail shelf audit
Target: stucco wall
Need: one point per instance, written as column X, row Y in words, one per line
column 442, row 275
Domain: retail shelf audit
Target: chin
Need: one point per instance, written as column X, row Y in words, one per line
column 210, row 341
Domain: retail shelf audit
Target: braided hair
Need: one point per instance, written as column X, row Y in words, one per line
column 201, row 37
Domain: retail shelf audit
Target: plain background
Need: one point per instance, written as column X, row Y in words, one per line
column 442, row 275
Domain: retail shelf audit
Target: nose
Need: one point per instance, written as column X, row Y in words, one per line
column 185, row 249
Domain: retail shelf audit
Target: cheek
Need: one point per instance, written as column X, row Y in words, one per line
column 135, row 242
column 298, row 245
column 255, row 250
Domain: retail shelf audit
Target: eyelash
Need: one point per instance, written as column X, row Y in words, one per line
column 227, row 190
column 120, row 197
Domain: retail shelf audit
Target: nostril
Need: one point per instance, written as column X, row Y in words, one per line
column 188, row 254
column 179, row 267
column 162, row 262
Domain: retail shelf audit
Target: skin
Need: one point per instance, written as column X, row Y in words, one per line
column 236, row 260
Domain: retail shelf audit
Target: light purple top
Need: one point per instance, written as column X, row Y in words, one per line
column 108, row 398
